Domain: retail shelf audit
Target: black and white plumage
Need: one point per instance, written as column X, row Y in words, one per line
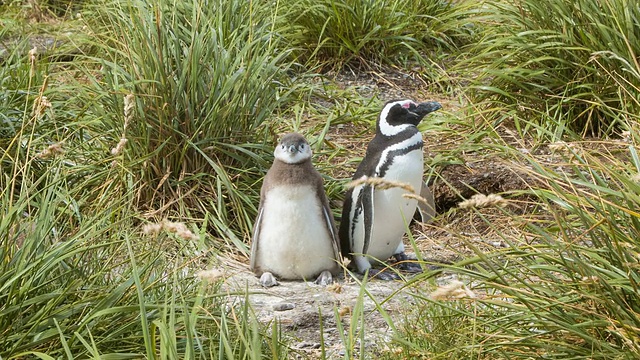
column 373, row 220
column 294, row 234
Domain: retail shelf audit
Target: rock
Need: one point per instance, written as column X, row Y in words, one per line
column 283, row 306
column 62, row 48
column 308, row 345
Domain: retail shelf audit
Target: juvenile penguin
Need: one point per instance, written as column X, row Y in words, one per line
column 294, row 235
column 374, row 220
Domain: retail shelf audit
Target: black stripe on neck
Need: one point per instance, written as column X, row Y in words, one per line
column 388, row 160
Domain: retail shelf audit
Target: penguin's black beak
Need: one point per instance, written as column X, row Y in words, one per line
column 426, row 108
column 293, row 149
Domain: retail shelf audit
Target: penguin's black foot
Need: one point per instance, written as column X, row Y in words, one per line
column 410, row 267
column 386, row 275
column 325, row 278
column 268, row 280
column 407, row 264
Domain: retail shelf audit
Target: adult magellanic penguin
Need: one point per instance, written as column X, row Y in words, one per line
column 294, row 235
column 374, row 220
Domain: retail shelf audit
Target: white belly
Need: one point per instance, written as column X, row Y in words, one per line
column 393, row 212
column 294, row 241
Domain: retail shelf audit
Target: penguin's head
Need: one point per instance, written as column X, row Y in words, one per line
column 293, row 149
column 397, row 115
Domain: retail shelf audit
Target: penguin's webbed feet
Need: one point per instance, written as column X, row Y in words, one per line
column 363, row 266
column 268, row 280
column 382, row 274
column 410, row 267
column 325, row 278
column 407, row 264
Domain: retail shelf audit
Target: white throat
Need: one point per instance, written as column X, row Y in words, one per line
column 292, row 154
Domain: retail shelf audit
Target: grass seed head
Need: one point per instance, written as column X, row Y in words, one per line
column 381, row 184
column 454, row 290
column 121, row 144
column 180, row 229
column 128, row 115
column 51, row 151
column 481, row 201
column 335, row 288
column 210, row 275
column 129, row 103
column 417, row 197
column 344, row 311
column 33, row 55
column 40, row 105
column 187, row 235
column 561, row 146
column 152, row 229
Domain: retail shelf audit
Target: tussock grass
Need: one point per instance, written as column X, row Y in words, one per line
column 204, row 79
column 553, row 65
column 76, row 282
column 372, row 33
column 77, row 276
column 566, row 288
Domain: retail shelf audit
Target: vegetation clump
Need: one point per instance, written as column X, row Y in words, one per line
column 553, row 65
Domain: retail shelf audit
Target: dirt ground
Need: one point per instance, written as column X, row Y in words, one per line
column 299, row 306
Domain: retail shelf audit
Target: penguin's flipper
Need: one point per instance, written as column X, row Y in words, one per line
column 425, row 211
column 357, row 224
column 352, row 225
column 368, row 212
column 346, row 221
column 254, row 239
column 328, row 217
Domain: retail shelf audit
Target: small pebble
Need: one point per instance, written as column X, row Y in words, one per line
column 283, row 306
column 308, row 345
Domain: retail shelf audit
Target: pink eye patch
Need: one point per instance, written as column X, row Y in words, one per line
column 407, row 104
